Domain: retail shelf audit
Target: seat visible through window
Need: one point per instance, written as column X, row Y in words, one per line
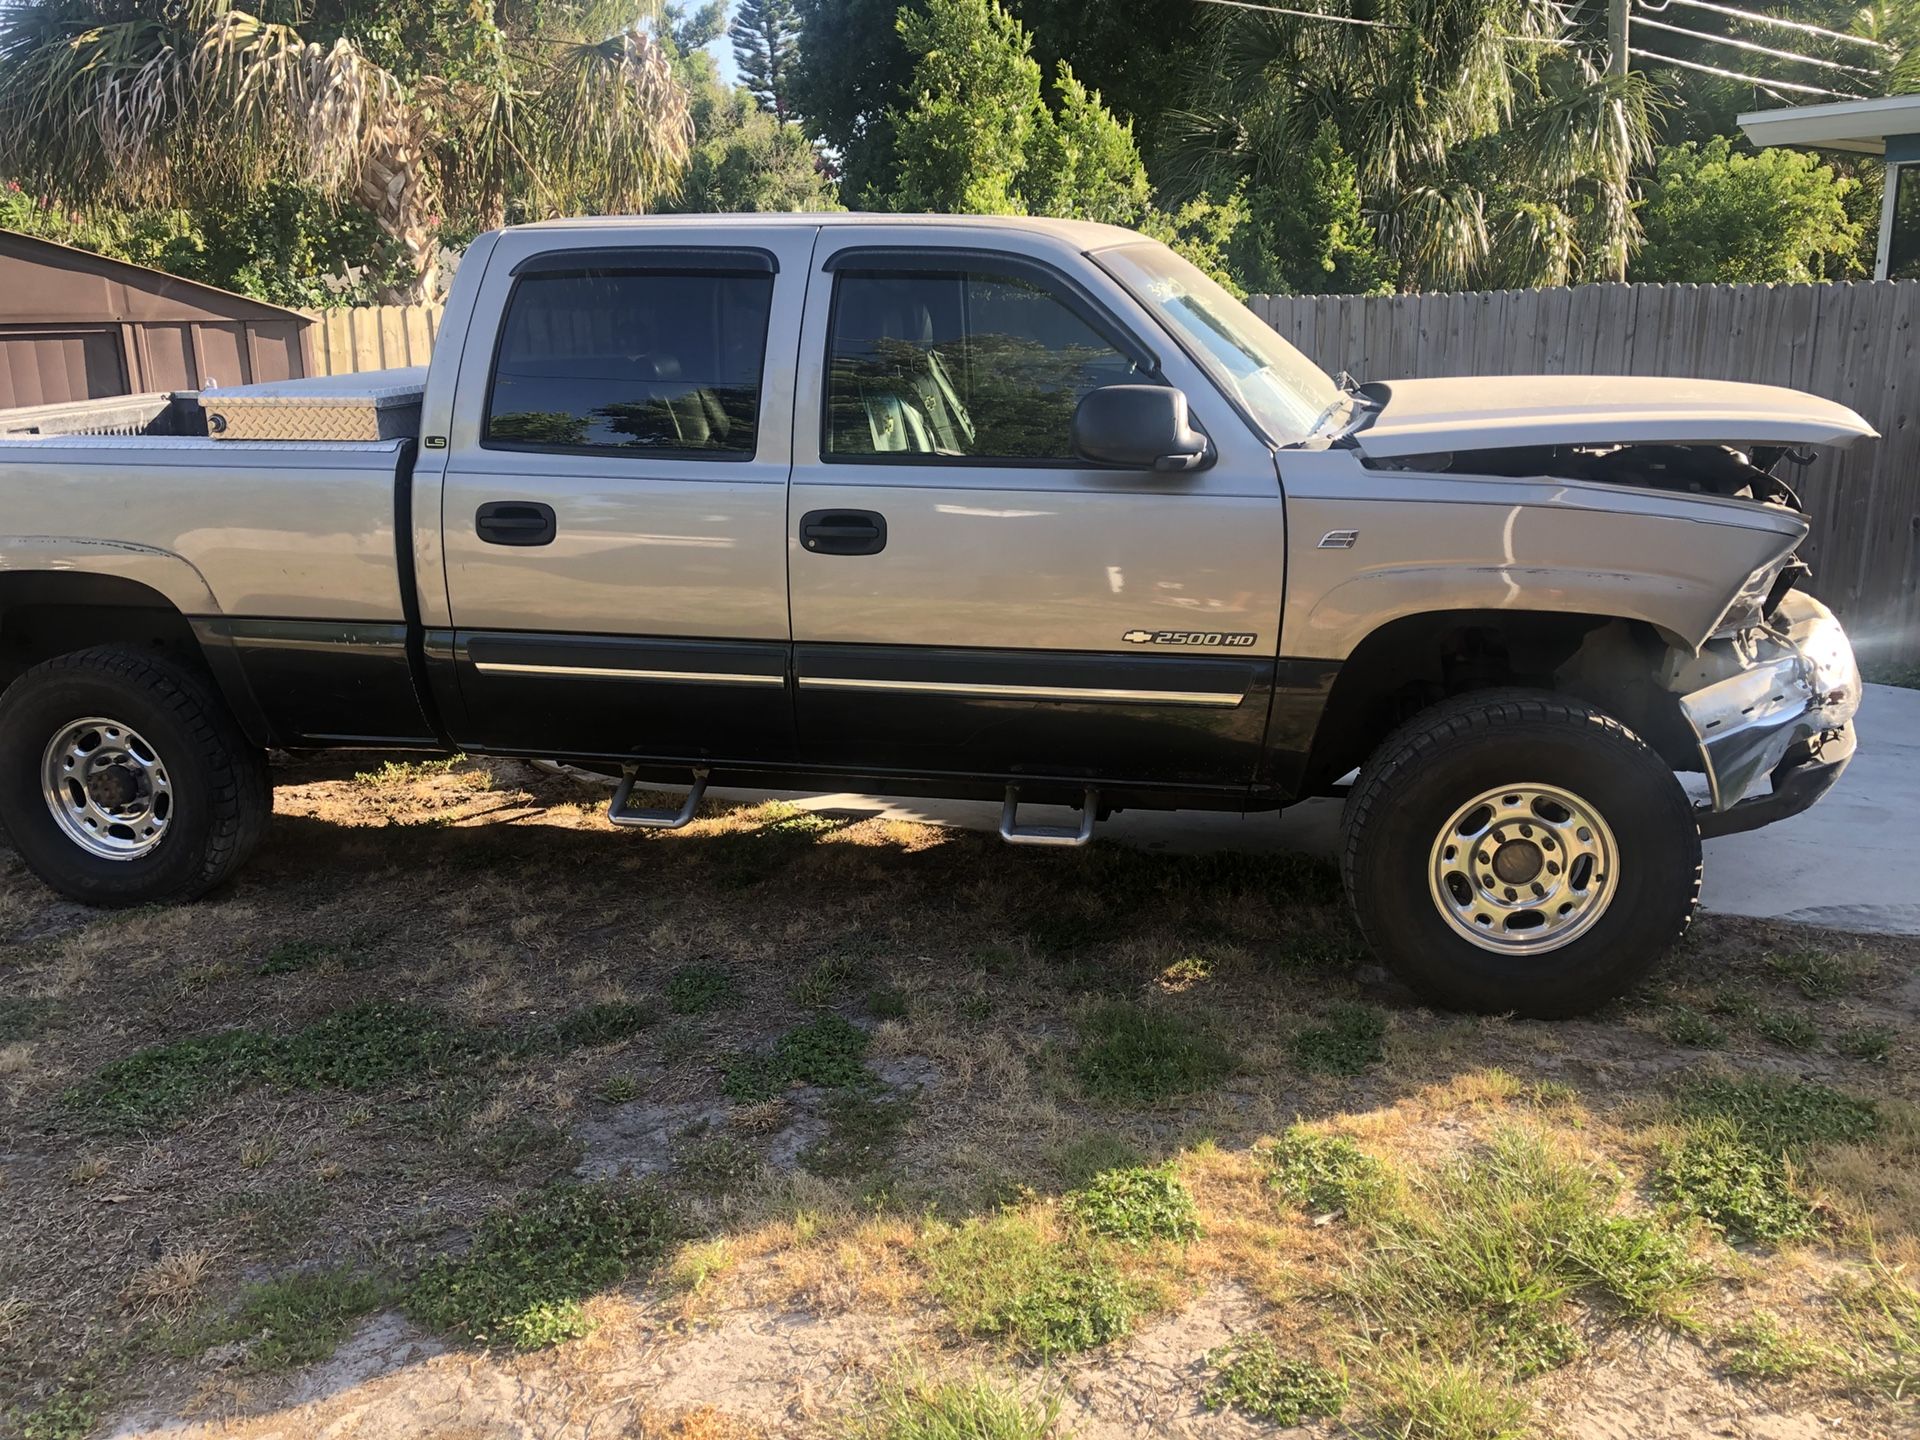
column 643, row 360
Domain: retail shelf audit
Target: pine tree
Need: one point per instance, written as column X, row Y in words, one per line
column 765, row 33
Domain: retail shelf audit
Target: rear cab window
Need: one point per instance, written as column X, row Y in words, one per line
column 662, row 356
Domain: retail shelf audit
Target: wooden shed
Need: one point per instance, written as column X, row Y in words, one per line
column 79, row 326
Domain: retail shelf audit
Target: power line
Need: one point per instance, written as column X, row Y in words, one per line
column 1750, row 46
column 1764, row 84
column 1759, row 19
column 1367, row 24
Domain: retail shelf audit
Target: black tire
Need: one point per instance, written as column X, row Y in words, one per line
column 221, row 795
column 1444, row 758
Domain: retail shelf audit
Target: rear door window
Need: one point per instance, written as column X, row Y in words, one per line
column 663, row 362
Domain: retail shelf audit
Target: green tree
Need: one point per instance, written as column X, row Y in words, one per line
column 1713, row 213
column 1082, row 161
column 849, row 73
column 414, row 114
column 765, row 34
column 1469, row 124
column 744, row 158
column 961, row 143
column 1307, row 234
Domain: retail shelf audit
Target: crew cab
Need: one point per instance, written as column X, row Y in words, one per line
column 945, row 506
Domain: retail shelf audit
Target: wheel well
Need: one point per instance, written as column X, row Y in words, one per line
column 47, row 613
column 1419, row 660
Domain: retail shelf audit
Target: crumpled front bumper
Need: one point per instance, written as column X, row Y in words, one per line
column 1781, row 708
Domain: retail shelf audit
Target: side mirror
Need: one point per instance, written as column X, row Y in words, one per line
column 1140, row 427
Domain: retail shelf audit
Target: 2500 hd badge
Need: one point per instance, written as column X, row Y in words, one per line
column 1238, row 639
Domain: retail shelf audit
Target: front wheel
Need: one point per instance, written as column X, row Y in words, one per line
column 1518, row 851
column 124, row 781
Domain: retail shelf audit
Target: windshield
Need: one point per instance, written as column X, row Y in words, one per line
column 1286, row 394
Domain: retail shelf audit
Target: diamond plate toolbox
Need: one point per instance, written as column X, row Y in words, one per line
column 373, row 405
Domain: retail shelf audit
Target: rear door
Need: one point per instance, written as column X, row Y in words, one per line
column 967, row 596
column 614, row 507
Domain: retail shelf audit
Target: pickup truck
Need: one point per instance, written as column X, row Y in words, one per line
column 1023, row 509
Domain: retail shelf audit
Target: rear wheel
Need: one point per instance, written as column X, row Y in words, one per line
column 1520, row 851
column 123, row 780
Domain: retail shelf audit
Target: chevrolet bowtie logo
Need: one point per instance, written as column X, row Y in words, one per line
column 1137, row 637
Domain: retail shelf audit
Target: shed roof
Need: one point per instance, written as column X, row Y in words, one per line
column 1859, row 125
column 45, row 282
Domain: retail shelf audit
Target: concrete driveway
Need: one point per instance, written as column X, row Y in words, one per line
column 1850, row 863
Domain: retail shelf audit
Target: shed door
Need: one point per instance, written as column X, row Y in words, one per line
column 42, row 365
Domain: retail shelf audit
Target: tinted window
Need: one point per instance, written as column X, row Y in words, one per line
column 1903, row 246
column 655, row 361
column 959, row 365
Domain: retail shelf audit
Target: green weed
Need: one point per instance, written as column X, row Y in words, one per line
column 23, row 1019
column 1737, row 1187
column 291, row 956
column 999, row 1277
column 824, row 981
column 70, row 1413
column 1347, row 1044
column 1251, row 1376
column 862, row 1134
column 1780, row 1114
column 1692, row 1029
column 1818, row 975
column 296, row 1319
column 1787, row 1029
column 1762, row 1348
column 885, row 1002
column 697, row 989
column 1325, row 1174
column 978, row 1408
column 1137, row 1206
column 1132, row 1055
column 593, row 1025
column 405, row 772
column 1081, row 1160
column 1433, row 1398
column 522, row 1142
column 1870, row 1043
column 532, row 1263
column 828, row 1051
column 619, row 1089
column 715, row 1164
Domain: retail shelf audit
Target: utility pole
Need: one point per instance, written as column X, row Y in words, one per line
column 1617, row 37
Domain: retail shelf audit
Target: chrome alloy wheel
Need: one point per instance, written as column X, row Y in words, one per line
column 107, row 788
column 1524, row 869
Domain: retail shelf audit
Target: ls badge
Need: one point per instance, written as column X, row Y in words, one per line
column 1237, row 640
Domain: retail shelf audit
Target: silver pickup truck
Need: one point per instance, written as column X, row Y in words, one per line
column 1011, row 508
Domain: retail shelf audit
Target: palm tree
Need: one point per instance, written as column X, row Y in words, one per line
column 1490, row 145
column 538, row 106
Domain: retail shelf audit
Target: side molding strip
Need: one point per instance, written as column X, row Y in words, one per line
column 1222, row 699
column 596, row 672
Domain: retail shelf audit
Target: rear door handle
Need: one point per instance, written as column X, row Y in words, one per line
column 515, row 522
column 843, row 532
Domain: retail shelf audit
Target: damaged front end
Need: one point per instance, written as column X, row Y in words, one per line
column 1770, row 698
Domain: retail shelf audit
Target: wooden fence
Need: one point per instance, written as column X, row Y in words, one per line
column 1857, row 343
column 371, row 337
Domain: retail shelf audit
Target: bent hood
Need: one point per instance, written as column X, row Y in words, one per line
column 1490, row 412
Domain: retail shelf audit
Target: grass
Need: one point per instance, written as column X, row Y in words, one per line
column 1135, row 1206
column 1740, row 1189
column 1817, row 974
column 1872, row 1044
column 1326, row 1174
column 1131, row 1055
column 974, row 1408
column 532, row 1263
column 24, row 1019
column 393, row 774
column 1483, row 1256
column 1762, row 1348
column 1880, row 1321
column 1434, row 1398
column 1251, row 1376
column 1349, row 1043
column 1693, row 1030
column 828, row 1050
column 606, row 1023
column 699, row 989
column 294, row 1319
column 1000, row 1277
column 1788, row 1029
column 715, row 1164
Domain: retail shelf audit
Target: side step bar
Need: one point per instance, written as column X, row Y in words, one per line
column 1014, row 833
column 618, row 813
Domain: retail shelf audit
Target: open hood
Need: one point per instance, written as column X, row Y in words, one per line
column 1489, row 412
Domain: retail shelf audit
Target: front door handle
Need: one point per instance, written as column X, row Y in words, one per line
column 515, row 522
column 843, row 532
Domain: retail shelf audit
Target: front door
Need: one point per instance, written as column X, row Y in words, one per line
column 615, row 519
column 968, row 596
